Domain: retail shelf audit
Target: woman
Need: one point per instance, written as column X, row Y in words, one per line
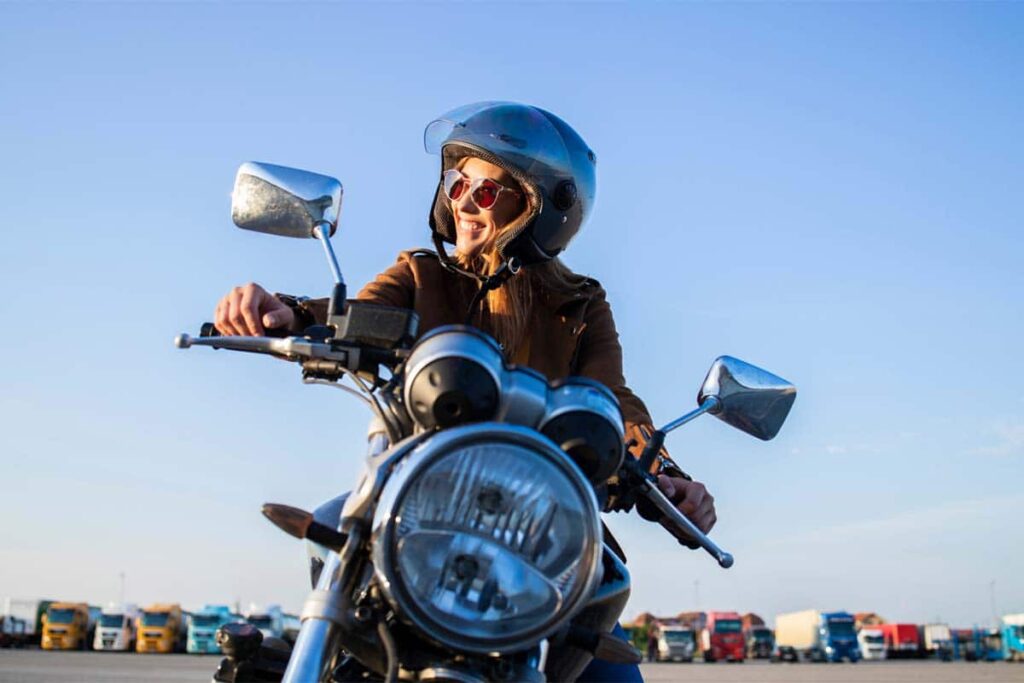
column 517, row 183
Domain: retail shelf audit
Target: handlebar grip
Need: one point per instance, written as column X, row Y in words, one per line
column 209, row 330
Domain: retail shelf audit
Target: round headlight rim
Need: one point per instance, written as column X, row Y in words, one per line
column 388, row 572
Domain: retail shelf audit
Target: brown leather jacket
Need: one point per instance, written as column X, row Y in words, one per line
column 571, row 334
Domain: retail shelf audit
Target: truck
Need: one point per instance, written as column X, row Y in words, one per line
column 69, row 626
column 203, row 625
column 722, row 637
column 937, row 641
column 818, row 636
column 758, row 637
column 872, row 642
column 966, row 643
column 21, row 623
column 1013, row 637
column 676, row 643
column 162, row 629
column 116, row 629
column 901, row 640
column 269, row 619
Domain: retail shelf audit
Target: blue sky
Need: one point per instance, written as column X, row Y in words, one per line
column 831, row 191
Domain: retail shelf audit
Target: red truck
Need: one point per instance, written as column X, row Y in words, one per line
column 722, row 637
column 901, row 640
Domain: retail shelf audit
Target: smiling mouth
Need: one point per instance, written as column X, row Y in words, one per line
column 471, row 227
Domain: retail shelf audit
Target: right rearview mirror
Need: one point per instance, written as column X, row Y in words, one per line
column 749, row 398
column 284, row 201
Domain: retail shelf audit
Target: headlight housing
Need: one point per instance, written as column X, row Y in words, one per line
column 488, row 538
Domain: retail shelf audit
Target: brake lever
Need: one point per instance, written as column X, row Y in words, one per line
column 650, row 491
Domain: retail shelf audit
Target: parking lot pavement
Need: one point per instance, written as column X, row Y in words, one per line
column 36, row 666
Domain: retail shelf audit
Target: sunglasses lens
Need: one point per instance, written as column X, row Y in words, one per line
column 454, row 184
column 486, row 194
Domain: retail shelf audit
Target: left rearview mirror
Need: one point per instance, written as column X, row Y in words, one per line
column 284, row 201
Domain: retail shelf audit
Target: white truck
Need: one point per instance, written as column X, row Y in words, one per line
column 115, row 631
column 872, row 642
column 676, row 644
column 268, row 619
column 938, row 640
column 21, row 622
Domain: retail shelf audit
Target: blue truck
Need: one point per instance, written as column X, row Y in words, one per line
column 819, row 636
column 1013, row 637
column 202, row 628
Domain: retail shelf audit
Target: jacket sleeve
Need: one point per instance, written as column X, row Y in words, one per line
column 396, row 286
column 599, row 357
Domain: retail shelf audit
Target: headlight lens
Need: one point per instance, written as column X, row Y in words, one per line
column 488, row 538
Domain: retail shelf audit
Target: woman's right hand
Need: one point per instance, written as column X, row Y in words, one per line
column 249, row 311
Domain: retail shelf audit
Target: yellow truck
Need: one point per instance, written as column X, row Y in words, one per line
column 68, row 626
column 162, row 628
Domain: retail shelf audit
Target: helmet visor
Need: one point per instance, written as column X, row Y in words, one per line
column 522, row 136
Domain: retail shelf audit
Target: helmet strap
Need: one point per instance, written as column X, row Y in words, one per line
column 485, row 283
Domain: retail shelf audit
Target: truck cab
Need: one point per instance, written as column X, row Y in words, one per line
column 1013, row 637
column 901, row 640
column 202, row 628
column 872, row 643
column 938, row 641
column 68, row 626
column 115, row 630
column 676, row 644
column 722, row 637
column 161, row 629
column 760, row 642
column 269, row 620
column 837, row 637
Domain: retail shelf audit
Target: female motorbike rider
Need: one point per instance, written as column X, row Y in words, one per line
column 516, row 185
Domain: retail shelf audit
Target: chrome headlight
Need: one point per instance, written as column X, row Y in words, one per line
column 487, row 538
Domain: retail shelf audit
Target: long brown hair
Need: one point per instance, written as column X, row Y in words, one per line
column 511, row 306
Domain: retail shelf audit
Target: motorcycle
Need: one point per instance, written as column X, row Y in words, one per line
column 472, row 547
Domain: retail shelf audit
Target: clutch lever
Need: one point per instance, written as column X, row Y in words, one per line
column 291, row 348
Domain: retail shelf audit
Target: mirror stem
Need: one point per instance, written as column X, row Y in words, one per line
column 322, row 231
column 711, row 404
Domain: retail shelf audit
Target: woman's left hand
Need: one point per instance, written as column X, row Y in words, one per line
column 691, row 498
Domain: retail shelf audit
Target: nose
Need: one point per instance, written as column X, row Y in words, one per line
column 465, row 204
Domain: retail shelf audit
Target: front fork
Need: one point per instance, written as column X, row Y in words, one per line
column 327, row 607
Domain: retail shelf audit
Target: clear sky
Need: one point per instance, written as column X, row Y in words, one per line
column 831, row 191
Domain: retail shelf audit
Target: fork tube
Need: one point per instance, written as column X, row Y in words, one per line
column 327, row 606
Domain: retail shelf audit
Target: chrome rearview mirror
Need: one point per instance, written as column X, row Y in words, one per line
column 747, row 397
column 285, row 201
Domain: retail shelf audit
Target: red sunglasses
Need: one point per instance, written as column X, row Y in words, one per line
column 483, row 191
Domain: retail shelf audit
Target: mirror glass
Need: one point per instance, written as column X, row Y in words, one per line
column 284, row 201
column 752, row 399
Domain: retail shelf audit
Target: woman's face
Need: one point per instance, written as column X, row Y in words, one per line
column 475, row 228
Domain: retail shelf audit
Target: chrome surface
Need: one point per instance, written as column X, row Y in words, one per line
column 362, row 501
column 453, row 341
column 324, row 611
column 325, row 239
column 709, row 404
column 752, row 400
column 524, row 397
column 385, row 522
column 287, row 347
column 653, row 494
column 579, row 394
column 443, row 673
column 284, row 201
